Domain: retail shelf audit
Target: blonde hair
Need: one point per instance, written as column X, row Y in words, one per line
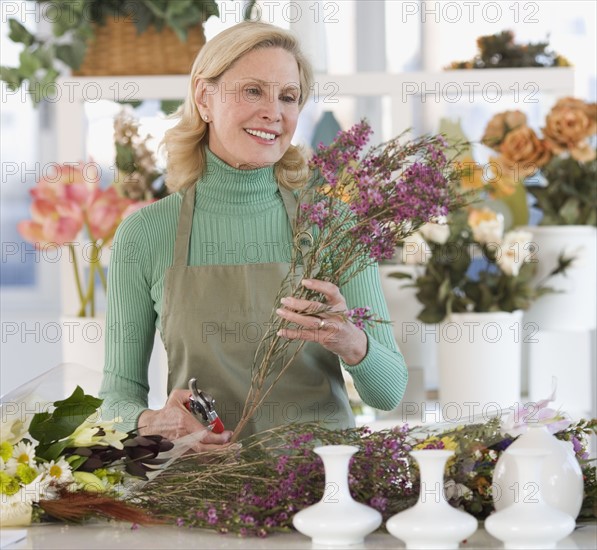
column 185, row 142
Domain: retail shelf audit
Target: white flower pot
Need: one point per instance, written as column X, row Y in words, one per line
column 416, row 340
column 574, row 307
column 479, row 359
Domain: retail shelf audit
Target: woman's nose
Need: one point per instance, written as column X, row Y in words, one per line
column 270, row 110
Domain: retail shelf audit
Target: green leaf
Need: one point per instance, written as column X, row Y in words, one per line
column 76, row 461
column 18, row 33
column 68, row 415
column 431, row 316
column 40, row 89
column 51, row 451
column 12, row 77
column 72, row 54
column 29, row 62
column 168, row 106
column 570, row 211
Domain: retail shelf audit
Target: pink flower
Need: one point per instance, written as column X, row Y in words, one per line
column 53, row 222
column 105, row 210
column 68, row 182
column 535, row 414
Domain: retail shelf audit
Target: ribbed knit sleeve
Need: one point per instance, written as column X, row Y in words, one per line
column 130, row 324
column 381, row 377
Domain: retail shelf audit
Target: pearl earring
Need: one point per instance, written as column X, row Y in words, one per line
column 205, row 117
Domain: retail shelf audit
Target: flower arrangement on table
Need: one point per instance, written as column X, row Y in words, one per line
column 70, row 209
column 560, row 168
column 275, row 474
column 66, row 464
column 471, row 265
column 355, row 209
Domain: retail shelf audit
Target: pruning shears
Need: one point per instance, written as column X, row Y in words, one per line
column 201, row 405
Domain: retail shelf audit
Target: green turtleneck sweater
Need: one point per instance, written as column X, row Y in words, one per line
column 239, row 218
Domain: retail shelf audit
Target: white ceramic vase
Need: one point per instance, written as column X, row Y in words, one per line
column 574, row 306
column 560, row 476
column 529, row 522
column 337, row 519
column 432, row 523
column 479, row 360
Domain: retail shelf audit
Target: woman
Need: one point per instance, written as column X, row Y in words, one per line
column 205, row 264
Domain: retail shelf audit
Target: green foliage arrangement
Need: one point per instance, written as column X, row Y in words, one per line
column 500, row 51
column 73, row 25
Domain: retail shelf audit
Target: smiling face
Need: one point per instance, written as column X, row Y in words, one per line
column 253, row 108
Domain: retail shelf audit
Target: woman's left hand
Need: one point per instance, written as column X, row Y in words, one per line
column 333, row 332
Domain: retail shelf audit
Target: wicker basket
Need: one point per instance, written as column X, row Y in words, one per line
column 117, row 49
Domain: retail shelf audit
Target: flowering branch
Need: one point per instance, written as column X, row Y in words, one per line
column 353, row 213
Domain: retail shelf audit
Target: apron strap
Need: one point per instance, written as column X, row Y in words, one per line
column 185, row 224
column 303, row 241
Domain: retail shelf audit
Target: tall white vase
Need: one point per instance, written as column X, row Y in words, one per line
column 432, row 523
column 337, row 519
column 479, row 359
column 560, row 475
column 574, row 307
column 529, row 522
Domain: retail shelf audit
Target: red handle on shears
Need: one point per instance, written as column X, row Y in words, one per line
column 216, row 425
column 202, row 404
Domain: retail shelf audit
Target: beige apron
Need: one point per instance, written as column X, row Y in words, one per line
column 213, row 318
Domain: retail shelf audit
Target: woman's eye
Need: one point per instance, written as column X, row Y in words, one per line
column 289, row 99
column 253, row 92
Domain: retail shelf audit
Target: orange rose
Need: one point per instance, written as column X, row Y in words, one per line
column 523, row 152
column 500, row 125
column 568, row 125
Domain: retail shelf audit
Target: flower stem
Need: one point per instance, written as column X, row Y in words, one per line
column 82, row 299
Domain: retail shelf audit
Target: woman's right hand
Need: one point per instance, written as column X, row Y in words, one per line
column 174, row 421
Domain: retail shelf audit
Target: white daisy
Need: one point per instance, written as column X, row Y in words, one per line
column 59, row 471
column 24, row 453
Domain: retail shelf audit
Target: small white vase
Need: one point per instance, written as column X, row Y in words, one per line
column 561, row 477
column 479, row 360
column 432, row 523
column 529, row 522
column 337, row 519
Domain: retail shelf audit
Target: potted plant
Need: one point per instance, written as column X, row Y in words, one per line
column 473, row 283
column 498, row 51
column 99, row 37
column 558, row 169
